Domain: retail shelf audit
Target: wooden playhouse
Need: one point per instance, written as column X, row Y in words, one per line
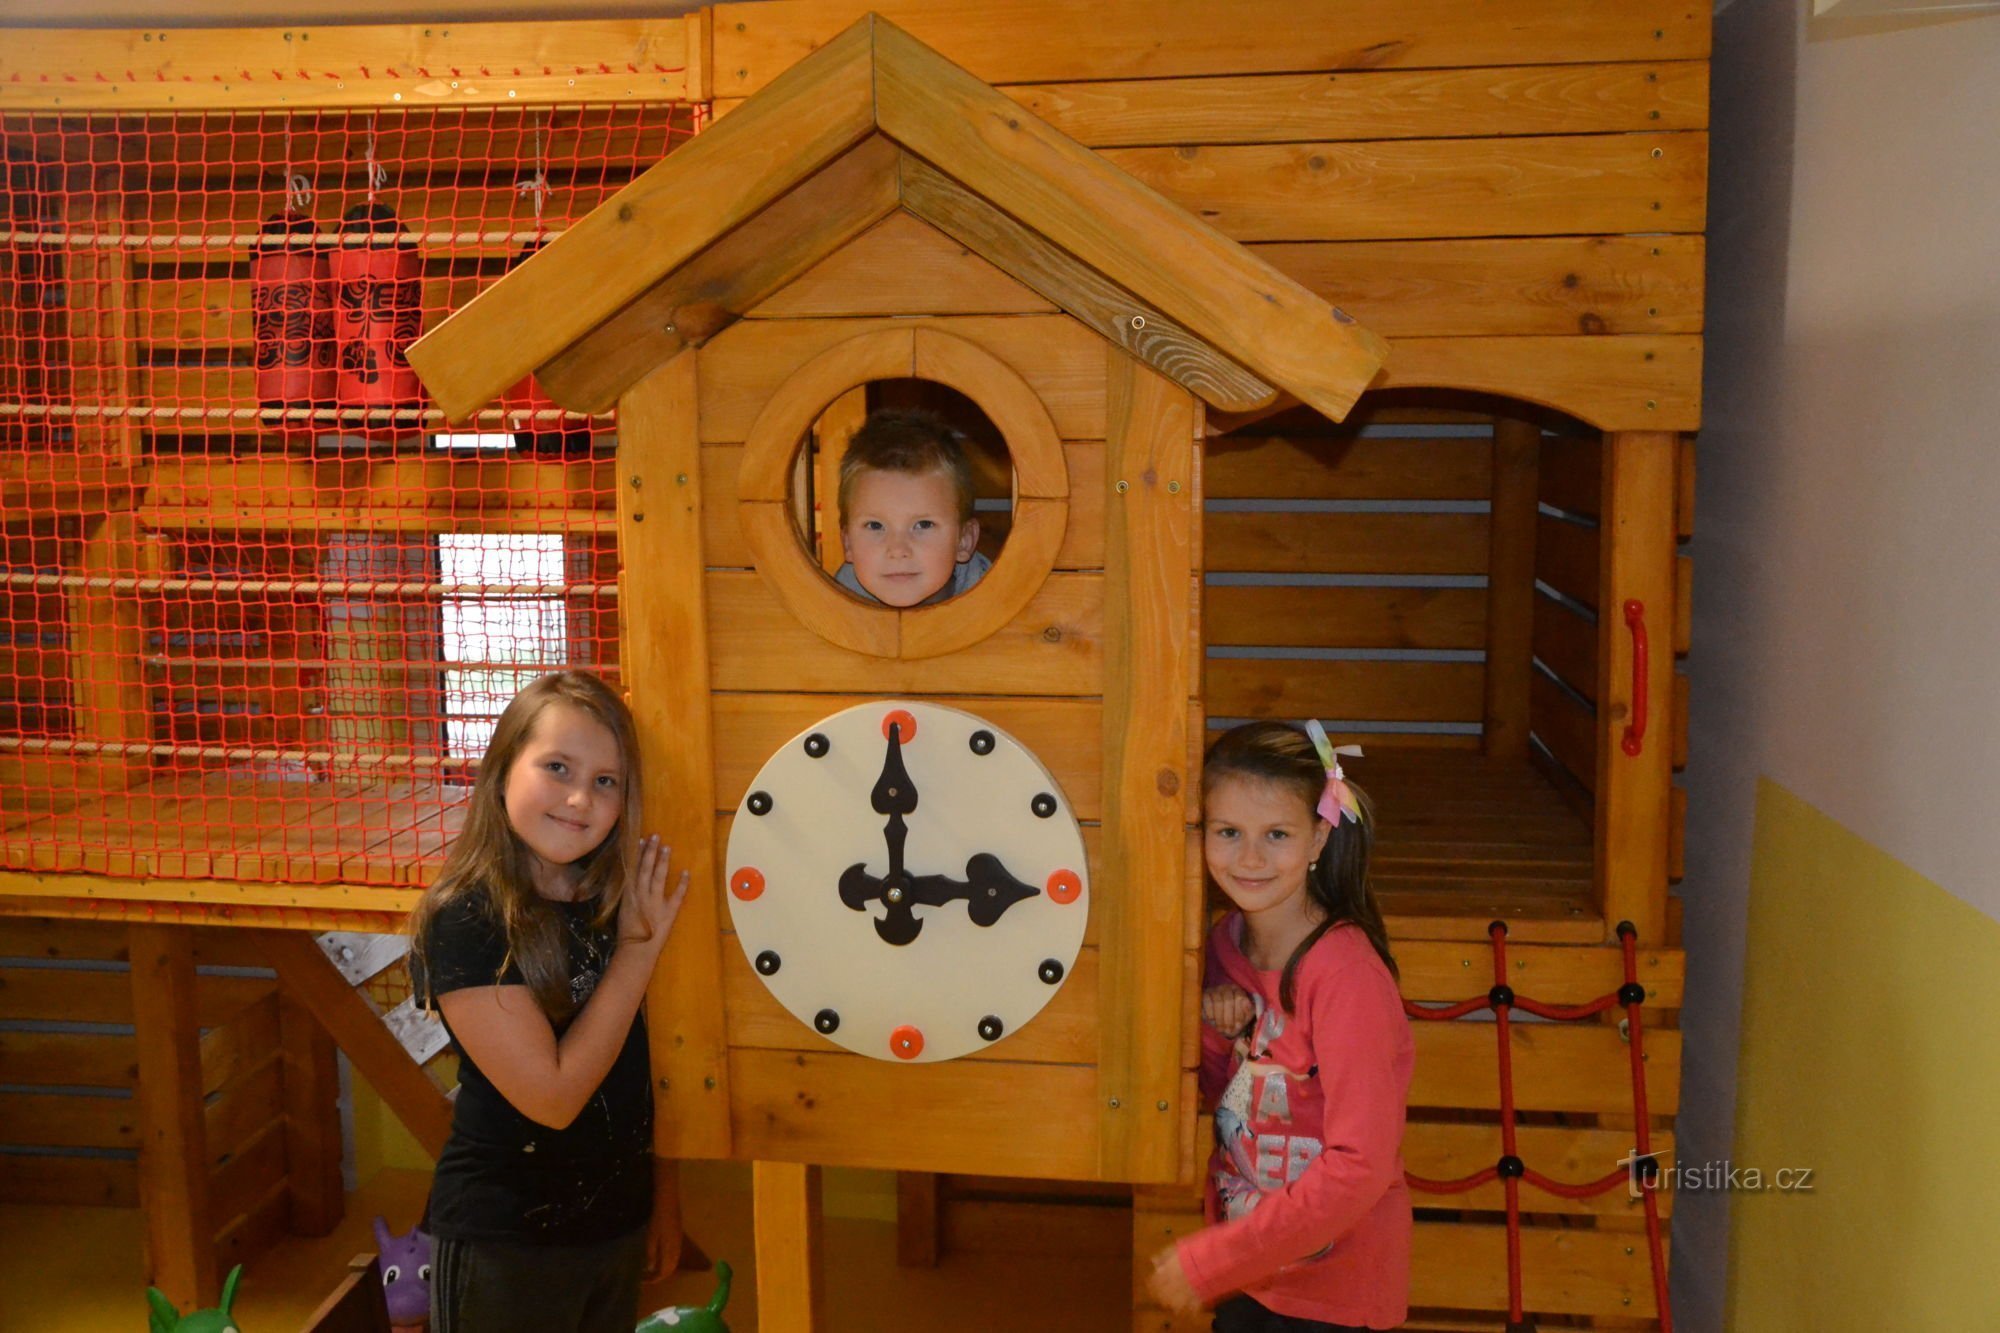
column 255, row 632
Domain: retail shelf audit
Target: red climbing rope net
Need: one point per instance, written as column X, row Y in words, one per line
column 259, row 606
column 1641, row 1173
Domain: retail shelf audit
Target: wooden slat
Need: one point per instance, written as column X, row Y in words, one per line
column 242, row 1109
column 1440, row 971
column 1566, row 556
column 727, row 279
column 1683, row 603
column 1060, row 359
column 1257, row 467
column 1566, row 727
column 68, row 1059
column 918, row 1235
column 1355, row 691
column 1115, row 225
column 1040, row 40
column 1563, row 1270
column 901, row 266
column 1314, row 617
column 1151, row 671
column 173, row 1156
column 348, row 1018
column 1510, row 584
column 1064, row 734
column 95, row 1181
column 1573, row 474
column 41, row 993
column 54, row 938
column 1116, row 315
column 1376, row 104
column 1684, row 497
column 1446, row 1151
column 957, row 1114
column 251, row 1175
column 1054, row 647
column 430, row 483
column 1344, row 543
column 1424, row 188
column 1613, row 383
column 1557, row 1067
column 1510, row 286
column 785, row 1204
column 1632, row 790
column 60, row 1120
column 665, row 217
column 255, row 67
column 1677, row 818
column 665, row 638
column 212, row 309
column 1566, row 644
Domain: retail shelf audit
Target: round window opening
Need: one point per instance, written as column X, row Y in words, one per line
column 904, row 493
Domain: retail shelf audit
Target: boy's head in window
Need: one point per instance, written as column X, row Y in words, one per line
column 906, row 523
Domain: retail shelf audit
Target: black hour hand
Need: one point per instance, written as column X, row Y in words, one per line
column 988, row 891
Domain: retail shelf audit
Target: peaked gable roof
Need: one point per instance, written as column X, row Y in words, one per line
column 871, row 122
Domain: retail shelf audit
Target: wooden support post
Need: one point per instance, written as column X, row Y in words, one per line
column 1510, row 585
column 173, row 1141
column 1634, row 790
column 664, row 637
column 352, row 1022
column 311, row 1088
column 1150, row 673
column 785, row 1197
column 917, row 1219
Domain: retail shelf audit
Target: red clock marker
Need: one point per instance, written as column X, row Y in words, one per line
column 747, row 883
column 906, row 1042
column 901, row 719
column 1065, row 886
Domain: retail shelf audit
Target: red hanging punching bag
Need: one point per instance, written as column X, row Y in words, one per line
column 293, row 317
column 525, row 405
column 378, row 286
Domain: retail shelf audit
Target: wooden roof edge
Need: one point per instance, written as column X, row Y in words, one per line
column 810, row 115
column 1116, row 224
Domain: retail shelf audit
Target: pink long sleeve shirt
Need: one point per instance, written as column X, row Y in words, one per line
column 1309, row 1212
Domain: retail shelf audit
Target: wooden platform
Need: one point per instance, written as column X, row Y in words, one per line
column 220, row 827
column 1464, row 840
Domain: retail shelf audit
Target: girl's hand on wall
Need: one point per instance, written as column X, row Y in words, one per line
column 1168, row 1283
column 1227, row 1009
column 646, row 916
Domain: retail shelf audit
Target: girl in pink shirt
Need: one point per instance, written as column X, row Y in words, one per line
column 1306, row 1055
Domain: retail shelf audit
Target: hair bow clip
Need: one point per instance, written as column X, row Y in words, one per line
column 1336, row 799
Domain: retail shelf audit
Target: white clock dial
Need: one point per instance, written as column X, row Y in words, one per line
column 954, row 949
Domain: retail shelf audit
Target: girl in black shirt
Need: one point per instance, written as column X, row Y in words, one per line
column 536, row 944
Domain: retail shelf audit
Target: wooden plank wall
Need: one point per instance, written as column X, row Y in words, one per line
column 71, row 1129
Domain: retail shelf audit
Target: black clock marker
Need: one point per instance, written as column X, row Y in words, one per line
column 827, row 1021
column 759, row 803
column 990, row 1028
column 1050, row 971
column 1043, row 805
column 988, row 890
column 817, row 745
column 981, row 742
column 768, row 963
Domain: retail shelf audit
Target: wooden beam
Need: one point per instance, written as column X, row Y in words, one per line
column 392, row 66
column 1150, row 674
column 718, row 286
column 1120, row 227
column 1510, row 585
column 918, row 1218
column 1117, row 315
column 786, row 1206
column 313, row 982
column 311, row 1089
column 1637, row 383
column 814, row 113
column 1633, row 790
column 665, row 637
column 173, row 1143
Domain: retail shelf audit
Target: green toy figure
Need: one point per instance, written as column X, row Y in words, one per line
column 166, row 1319
column 688, row 1319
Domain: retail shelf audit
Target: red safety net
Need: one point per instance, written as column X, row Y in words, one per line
column 1637, row 1174
column 260, row 604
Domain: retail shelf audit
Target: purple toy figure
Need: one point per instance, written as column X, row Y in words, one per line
column 406, row 1275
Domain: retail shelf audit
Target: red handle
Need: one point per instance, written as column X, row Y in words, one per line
column 1635, row 731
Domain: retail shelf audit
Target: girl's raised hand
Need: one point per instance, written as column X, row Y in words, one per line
column 646, row 915
column 1227, row 1009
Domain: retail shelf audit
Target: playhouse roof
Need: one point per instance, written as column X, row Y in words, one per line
column 872, row 122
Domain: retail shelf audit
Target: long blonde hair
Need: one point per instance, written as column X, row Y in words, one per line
column 488, row 862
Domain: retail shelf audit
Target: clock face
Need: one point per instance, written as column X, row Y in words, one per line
column 908, row 881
